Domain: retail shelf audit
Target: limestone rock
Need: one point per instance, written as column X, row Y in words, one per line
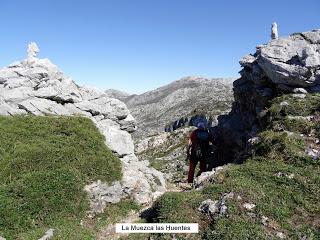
column 206, row 177
column 292, row 61
column 264, row 220
column 209, row 207
column 247, row 61
column 39, row 106
column 38, row 87
column 48, row 235
column 16, row 94
column 287, row 175
column 139, row 182
column 285, row 65
column 59, row 92
column 90, row 93
column 128, row 124
column 312, row 37
column 73, row 110
column 7, row 74
column 138, row 179
column 216, row 209
column 280, row 235
column 249, row 206
column 108, row 107
column 119, row 141
column 136, row 185
column 313, row 153
column 101, row 193
column 7, row 109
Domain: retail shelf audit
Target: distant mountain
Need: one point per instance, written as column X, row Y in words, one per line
column 187, row 97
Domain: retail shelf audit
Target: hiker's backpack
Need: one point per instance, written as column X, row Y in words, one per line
column 200, row 146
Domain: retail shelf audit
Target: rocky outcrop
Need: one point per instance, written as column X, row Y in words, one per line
column 284, row 65
column 38, row 87
column 165, row 107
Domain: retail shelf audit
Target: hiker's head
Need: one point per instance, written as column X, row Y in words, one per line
column 201, row 125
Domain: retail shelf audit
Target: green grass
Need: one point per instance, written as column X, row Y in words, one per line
column 166, row 207
column 279, row 115
column 279, row 198
column 45, row 163
column 296, row 107
column 291, row 204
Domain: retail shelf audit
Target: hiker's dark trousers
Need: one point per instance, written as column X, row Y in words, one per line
column 192, row 167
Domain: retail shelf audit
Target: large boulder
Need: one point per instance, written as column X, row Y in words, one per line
column 119, row 141
column 108, row 107
column 292, row 61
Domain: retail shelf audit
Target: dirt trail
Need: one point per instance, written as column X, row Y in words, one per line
column 109, row 233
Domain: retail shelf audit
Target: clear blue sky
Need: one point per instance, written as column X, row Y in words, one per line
column 138, row 45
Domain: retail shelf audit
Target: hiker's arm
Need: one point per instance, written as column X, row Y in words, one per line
column 190, row 140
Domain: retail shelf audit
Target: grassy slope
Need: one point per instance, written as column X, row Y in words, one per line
column 291, row 204
column 45, row 162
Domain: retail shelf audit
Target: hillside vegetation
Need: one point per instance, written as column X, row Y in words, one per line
column 281, row 178
column 45, row 162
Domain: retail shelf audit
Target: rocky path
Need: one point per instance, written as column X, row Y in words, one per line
column 109, row 233
column 146, row 212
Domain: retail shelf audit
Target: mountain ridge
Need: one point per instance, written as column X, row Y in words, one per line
column 185, row 97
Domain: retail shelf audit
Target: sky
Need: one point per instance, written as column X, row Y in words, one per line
column 139, row 45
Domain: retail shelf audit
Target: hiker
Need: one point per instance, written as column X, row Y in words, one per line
column 198, row 149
